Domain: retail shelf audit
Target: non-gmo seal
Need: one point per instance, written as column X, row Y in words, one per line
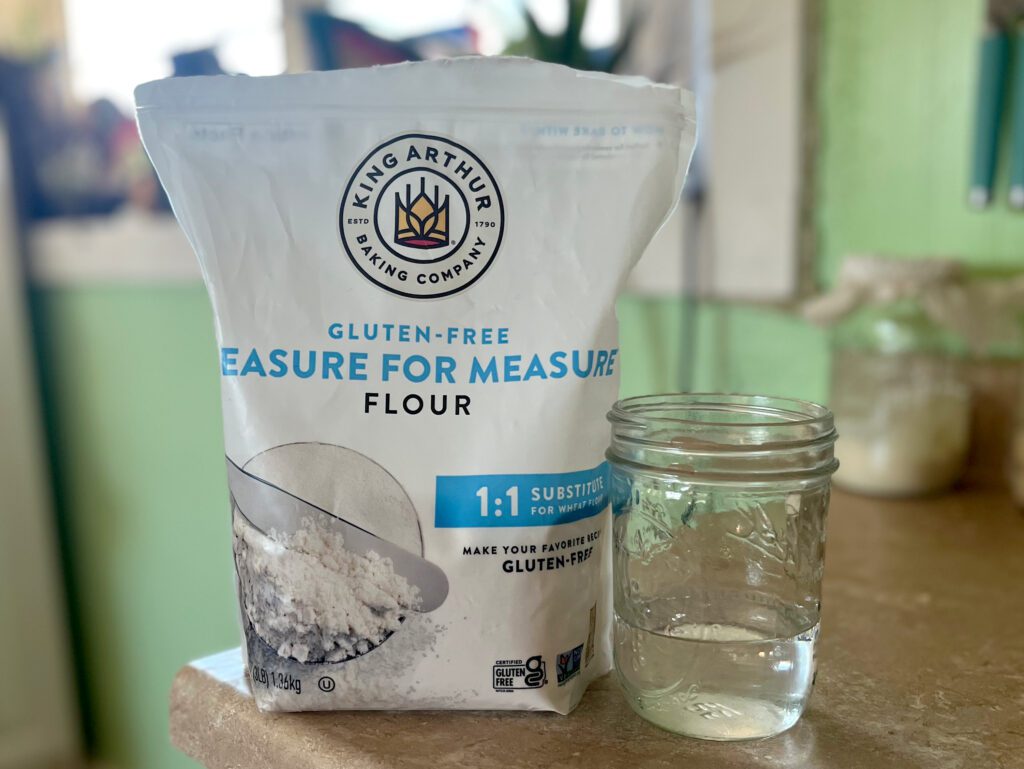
column 422, row 217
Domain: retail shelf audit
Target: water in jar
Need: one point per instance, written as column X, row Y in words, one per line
column 716, row 607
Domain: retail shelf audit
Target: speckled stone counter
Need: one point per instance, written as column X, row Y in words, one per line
column 921, row 667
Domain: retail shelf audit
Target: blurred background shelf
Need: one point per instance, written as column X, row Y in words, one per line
column 125, row 248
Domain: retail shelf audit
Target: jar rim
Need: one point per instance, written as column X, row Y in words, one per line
column 724, row 436
column 775, row 411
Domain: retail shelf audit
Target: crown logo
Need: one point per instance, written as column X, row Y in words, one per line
column 421, row 222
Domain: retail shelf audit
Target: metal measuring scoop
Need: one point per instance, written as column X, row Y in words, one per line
column 269, row 508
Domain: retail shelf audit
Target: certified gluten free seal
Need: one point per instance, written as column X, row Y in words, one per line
column 422, row 216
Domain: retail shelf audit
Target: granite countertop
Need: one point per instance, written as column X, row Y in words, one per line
column 921, row 666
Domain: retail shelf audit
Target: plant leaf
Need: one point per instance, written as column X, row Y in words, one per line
column 543, row 44
column 573, row 52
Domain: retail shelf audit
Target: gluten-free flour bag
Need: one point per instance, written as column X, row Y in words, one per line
column 413, row 270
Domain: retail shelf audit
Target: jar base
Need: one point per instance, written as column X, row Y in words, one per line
column 715, row 682
column 725, row 720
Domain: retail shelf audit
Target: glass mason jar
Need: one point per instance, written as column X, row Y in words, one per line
column 901, row 401
column 719, row 506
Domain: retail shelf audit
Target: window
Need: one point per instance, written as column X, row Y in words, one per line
column 113, row 45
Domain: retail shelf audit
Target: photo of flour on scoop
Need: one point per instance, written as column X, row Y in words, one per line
column 305, row 594
column 313, row 600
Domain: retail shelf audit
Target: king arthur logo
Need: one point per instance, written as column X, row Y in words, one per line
column 422, row 217
column 423, row 222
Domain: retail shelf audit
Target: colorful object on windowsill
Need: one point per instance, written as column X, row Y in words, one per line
column 1000, row 74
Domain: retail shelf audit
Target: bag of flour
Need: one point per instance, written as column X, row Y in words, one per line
column 413, row 270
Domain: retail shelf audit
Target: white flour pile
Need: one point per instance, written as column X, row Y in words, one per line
column 312, row 599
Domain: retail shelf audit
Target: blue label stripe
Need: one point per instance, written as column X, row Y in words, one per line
column 541, row 499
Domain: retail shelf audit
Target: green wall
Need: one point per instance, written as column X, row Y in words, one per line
column 131, row 373
column 739, row 349
column 897, row 104
column 895, row 108
column 131, row 379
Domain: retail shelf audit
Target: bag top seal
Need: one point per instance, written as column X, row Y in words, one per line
column 471, row 82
